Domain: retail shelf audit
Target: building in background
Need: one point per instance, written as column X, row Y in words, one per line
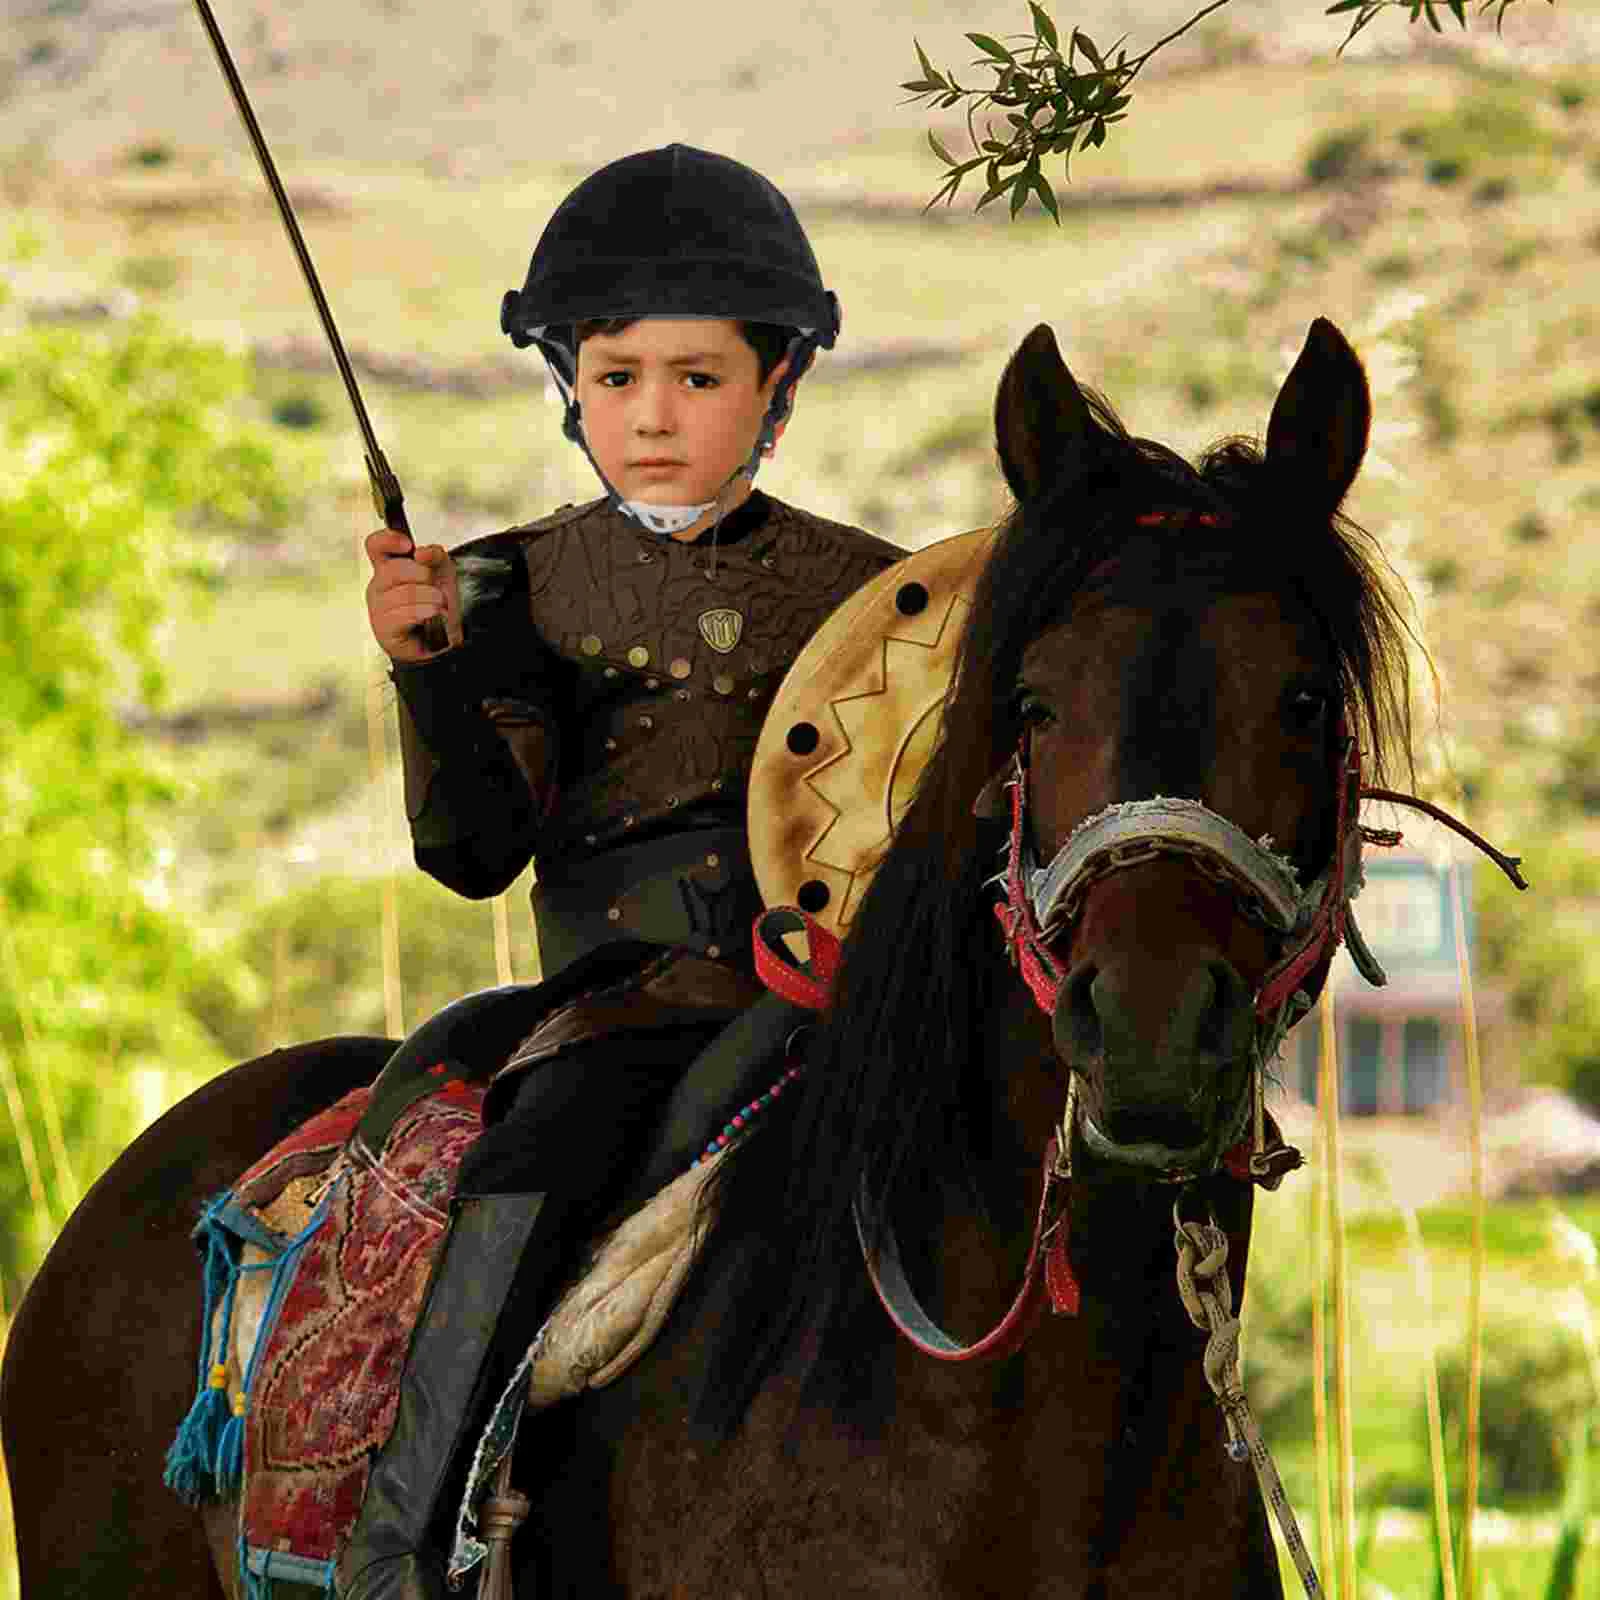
column 1400, row 1047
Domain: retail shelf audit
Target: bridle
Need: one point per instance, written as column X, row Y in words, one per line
column 1039, row 905
column 1042, row 903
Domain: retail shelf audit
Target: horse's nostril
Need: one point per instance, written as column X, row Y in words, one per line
column 1212, row 1025
column 1076, row 1024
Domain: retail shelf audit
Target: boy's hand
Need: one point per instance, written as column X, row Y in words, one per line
column 408, row 587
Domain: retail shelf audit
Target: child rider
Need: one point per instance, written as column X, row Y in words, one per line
column 599, row 716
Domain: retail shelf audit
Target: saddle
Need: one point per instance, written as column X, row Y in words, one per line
column 317, row 1266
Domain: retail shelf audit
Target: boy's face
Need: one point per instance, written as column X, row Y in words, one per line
column 671, row 408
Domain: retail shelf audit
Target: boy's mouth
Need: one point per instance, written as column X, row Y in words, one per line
column 657, row 461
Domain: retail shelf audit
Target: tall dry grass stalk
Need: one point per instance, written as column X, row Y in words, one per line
column 1430, row 1386
column 1469, row 1031
column 1328, row 1098
column 389, row 936
column 24, row 1135
column 66, row 1178
column 502, row 941
column 1319, row 1347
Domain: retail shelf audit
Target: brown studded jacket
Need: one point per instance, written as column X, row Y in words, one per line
column 601, row 717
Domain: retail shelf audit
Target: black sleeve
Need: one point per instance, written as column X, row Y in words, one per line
column 473, row 806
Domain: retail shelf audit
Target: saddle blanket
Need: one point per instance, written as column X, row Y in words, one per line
column 317, row 1264
column 317, row 1261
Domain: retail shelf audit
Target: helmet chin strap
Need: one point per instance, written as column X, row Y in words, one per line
column 670, row 519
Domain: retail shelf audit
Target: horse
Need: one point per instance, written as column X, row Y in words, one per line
column 1141, row 628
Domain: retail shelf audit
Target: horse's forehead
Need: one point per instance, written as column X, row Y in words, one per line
column 1254, row 630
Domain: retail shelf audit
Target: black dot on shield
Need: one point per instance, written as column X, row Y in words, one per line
column 911, row 598
column 813, row 895
column 803, row 738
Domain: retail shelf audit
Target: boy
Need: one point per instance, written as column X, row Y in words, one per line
column 599, row 716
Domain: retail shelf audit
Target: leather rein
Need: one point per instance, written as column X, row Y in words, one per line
column 1039, row 905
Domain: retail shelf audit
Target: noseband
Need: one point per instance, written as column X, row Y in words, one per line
column 1307, row 923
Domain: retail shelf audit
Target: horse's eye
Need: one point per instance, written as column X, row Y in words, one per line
column 1306, row 709
column 1030, row 710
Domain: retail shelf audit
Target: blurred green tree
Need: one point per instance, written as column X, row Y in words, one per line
column 122, row 454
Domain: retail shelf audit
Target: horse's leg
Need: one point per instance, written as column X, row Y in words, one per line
column 100, row 1364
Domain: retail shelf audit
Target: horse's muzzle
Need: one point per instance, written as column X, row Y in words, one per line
column 1164, row 1068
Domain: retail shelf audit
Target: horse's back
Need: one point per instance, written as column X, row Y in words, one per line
column 100, row 1363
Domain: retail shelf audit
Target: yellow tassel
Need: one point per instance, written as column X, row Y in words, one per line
column 218, row 1378
column 238, row 1405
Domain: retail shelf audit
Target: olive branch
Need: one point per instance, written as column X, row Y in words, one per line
column 1052, row 105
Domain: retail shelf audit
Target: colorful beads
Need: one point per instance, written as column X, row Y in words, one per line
column 217, row 1378
column 743, row 1117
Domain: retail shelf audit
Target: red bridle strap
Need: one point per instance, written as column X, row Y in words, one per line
column 1327, row 926
column 1047, row 1279
column 1037, row 966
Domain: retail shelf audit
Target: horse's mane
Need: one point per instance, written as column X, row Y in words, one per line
column 894, row 1072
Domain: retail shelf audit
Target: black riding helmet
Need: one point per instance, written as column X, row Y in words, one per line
column 675, row 232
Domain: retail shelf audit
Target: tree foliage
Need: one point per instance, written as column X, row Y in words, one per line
column 1055, row 99
column 118, row 446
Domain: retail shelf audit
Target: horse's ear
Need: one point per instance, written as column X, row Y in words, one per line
column 1042, row 424
column 1318, row 432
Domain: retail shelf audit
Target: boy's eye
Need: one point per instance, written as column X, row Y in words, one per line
column 702, row 380
column 606, row 377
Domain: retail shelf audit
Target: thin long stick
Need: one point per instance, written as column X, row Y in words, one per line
column 1469, row 1029
column 389, row 933
column 1341, row 1308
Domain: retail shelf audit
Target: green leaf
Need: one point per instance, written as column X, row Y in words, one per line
column 1019, row 197
column 939, row 150
column 1458, row 9
column 1083, row 40
column 997, row 189
column 1097, row 134
column 1043, row 26
column 991, row 47
column 927, row 65
column 1047, row 196
column 1344, row 5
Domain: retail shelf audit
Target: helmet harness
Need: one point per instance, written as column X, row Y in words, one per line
column 679, row 233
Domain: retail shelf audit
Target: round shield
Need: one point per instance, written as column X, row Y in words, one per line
column 851, row 728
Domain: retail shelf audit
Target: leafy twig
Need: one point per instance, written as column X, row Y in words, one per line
column 1049, row 102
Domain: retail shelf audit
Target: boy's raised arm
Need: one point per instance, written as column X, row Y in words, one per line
column 477, row 730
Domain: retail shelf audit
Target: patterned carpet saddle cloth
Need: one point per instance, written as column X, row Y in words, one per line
column 317, row 1262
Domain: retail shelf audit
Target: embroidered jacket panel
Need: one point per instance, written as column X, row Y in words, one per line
column 613, row 683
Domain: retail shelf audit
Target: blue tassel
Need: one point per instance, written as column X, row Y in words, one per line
column 252, row 1585
column 192, row 1457
column 229, row 1467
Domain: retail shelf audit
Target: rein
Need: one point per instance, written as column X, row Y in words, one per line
column 1039, row 905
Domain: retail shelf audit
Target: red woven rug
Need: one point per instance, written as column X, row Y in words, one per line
column 324, row 1381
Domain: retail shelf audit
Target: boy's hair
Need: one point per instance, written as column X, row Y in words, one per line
column 767, row 339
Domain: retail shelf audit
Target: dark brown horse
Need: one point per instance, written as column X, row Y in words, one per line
column 1142, row 628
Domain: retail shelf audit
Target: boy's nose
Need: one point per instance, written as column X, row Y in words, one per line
column 652, row 412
